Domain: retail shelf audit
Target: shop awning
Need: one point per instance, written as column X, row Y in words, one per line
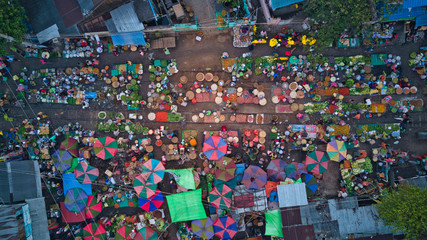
column 128, row 38
column 421, row 21
column 48, row 34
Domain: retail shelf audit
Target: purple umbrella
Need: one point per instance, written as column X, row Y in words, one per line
column 203, row 228
column 254, row 177
column 75, row 200
column 276, row 170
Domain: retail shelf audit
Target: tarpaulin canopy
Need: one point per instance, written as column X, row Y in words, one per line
column 310, row 184
column 214, row 148
column 294, row 170
column 94, row 231
column 105, row 147
column 226, row 169
column 93, row 207
column 128, row 38
column 85, row 174
column 186, row 206
column 62, row 160
column 143, row 188
column 203, row 228
column 240, row 171
column 153, row 170
column 152, row 203
column 184, row 177
column 273, row 225
column 225, row 227
column 69, row 181
column 336, row 150
column 71, row 217
column 70, row 145
column 276, row 170
column 220, row 196
column 316, row 162
column 75, row 200
column 254, row 177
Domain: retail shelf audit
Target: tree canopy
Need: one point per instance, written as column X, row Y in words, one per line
column 405, row 210
column 333, row 17
column 12, row 16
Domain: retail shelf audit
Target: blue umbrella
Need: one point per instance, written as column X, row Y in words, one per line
column 310, row 184
column 63, row 160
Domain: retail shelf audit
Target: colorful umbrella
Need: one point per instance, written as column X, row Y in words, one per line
column 105, row 147
column 276, row 170
column 146, row 233
column 123, row 233
column 254, row 177
column 75, row 200
column 71, row 145
column 220, row 196
column 336, row 150
column 144, row 188
column 153, row 170
column 94, row 231
column 62, row 160
column 214, row 148
column 316, row 162
column 93, row 207
column 85, row 173
column 152, row 203
column 271, row 186
column 225, row 227
column 203, row 228
column 226, row 169
column 310, row 184
column 294, row 170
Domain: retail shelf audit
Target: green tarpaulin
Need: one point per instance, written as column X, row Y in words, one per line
column 186, row 206
column 185, row 177
column 273, row 226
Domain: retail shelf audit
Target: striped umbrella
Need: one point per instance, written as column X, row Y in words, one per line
column 294, row 170
column 337, row 151
column 123, row 233
column 146, row 233
column 316, row 162
column 85, row 173
column 214, row 148
column 276, row 170
column 75, row 200
column 226, row 169
column 144, row 188
column 225, row 227
column 62, row 160
column 71, row 145
column 93, row 207
column 310, row 184
column 153, row 170
column 203, row 228
column 254, row 177
column 94, row 231
column 105, row 147
column 220, row 196
column 152, row 203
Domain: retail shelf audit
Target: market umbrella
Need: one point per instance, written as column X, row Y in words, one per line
column 105, row 147
column 75, row 200
column 93, row 207
column 310, row 184
column 276, row 170
column 316, row 162
column 254, row 177
column 226, row 169
column 153, row 170
column 220, row 196
column 94, row 231
column 203, row 228
column 144, row 188
column 271, row 186
column 214, row 148
column 123, row 233
column 146, row 233
column 71, row 145
column 294, row 170
column 336, row 150
column 152, row 203
column 225, row 227
column 85, row 173
column 62, row 160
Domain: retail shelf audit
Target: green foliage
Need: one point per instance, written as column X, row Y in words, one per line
column 224, row 1
column 12, row 16
column 405, row 210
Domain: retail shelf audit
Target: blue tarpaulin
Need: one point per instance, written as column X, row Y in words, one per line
column 275, row 4
column 69, row 181
column 414, row 3
column 91, row 95
column 421, row 21
column 405, row 13
column 128, row 38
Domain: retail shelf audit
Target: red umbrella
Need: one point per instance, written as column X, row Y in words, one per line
column 220, row 196
column 125, row 232
column 316, row 162
column 225, row 227
column 93, row 207
column 214, row 148
column 152, row 203
column 276, row 170
column 85, row 173
column 105, row 147
column 153, row 170
column 254, row 177
column 71, row 145
column 144, row 188
column 226, row 170
column 94, row 231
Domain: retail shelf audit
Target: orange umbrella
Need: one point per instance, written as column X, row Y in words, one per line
column 270, row 186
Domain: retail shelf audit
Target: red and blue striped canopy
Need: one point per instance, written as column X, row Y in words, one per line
column 225, row 227
column 214, row 148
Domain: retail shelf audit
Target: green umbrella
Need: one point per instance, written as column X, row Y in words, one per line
column 221, row 196
column 105, row 147
column 123, row 233
column 144, row 188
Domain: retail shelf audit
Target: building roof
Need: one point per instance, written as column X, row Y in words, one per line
column 275, row 4
column 291, row 195
column 414, row 3
column 291, row 216
column 16, row 174
column 86, row 6
column 9, row 225
column 128, row 38
column 299, row 232
column 250, row 200
column 146, row 10
column 406, row 13
column 38, row 215
column 125, row 19
column 69, row 11
column 419, row 22
column 48, row 34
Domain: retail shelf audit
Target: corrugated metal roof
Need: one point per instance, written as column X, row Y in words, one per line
column 290, row 216
column 128, row 38
column 48, row 34
column 259, row 202
column 419, row 22
column 69, row 11
column 404, row 13
column 86, row 6
column 418, row 181
column 8, row 222
column 125, row 19
column 275, row 4
column 300, row 232
column 38, row 215
column 291, row 195
column 5, row 188
column 414, row 3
